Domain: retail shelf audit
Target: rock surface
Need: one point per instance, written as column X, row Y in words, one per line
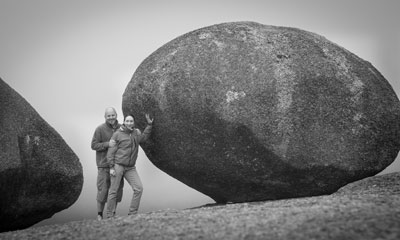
column 247, row 112
column 367, row 209
column 39, row 173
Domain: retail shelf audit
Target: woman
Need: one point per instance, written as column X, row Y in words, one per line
column 121, row 156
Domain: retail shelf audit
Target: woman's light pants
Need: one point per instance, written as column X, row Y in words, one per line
column 132, row 177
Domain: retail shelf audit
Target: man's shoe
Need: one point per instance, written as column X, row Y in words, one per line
column 99, row 218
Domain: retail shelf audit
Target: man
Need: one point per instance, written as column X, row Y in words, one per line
column 100, row 143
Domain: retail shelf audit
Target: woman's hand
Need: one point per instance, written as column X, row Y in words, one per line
column 149, row 120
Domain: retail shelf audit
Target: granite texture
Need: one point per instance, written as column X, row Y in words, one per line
column 364, row 210
column 39, row 173
column 249, row 112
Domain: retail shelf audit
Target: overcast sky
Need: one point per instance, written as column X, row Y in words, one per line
column 72, row 59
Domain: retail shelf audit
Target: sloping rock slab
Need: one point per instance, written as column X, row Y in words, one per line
column 367, row 209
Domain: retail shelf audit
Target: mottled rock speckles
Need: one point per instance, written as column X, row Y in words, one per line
column 39, row 173
column 246, row 112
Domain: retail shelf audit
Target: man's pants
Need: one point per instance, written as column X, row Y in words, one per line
column 103, row 185
column 132, row 177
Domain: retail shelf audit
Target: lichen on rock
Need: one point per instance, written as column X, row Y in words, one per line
column 40, row 175
column 248, row 112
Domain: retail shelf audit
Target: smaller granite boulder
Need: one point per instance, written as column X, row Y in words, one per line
column 39, row 173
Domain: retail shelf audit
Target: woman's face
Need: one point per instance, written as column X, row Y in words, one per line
column 129, row 122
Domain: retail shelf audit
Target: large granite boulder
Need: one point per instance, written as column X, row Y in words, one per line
column 247, row 112
column 39, row 173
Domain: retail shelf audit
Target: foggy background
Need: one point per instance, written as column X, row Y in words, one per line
column 72, row 59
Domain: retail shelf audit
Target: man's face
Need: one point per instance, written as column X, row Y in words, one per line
column 111, row 116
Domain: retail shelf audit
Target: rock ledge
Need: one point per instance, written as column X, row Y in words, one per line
column 367, row 209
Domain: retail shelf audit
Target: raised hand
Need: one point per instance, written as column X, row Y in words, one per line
column 149, row 120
